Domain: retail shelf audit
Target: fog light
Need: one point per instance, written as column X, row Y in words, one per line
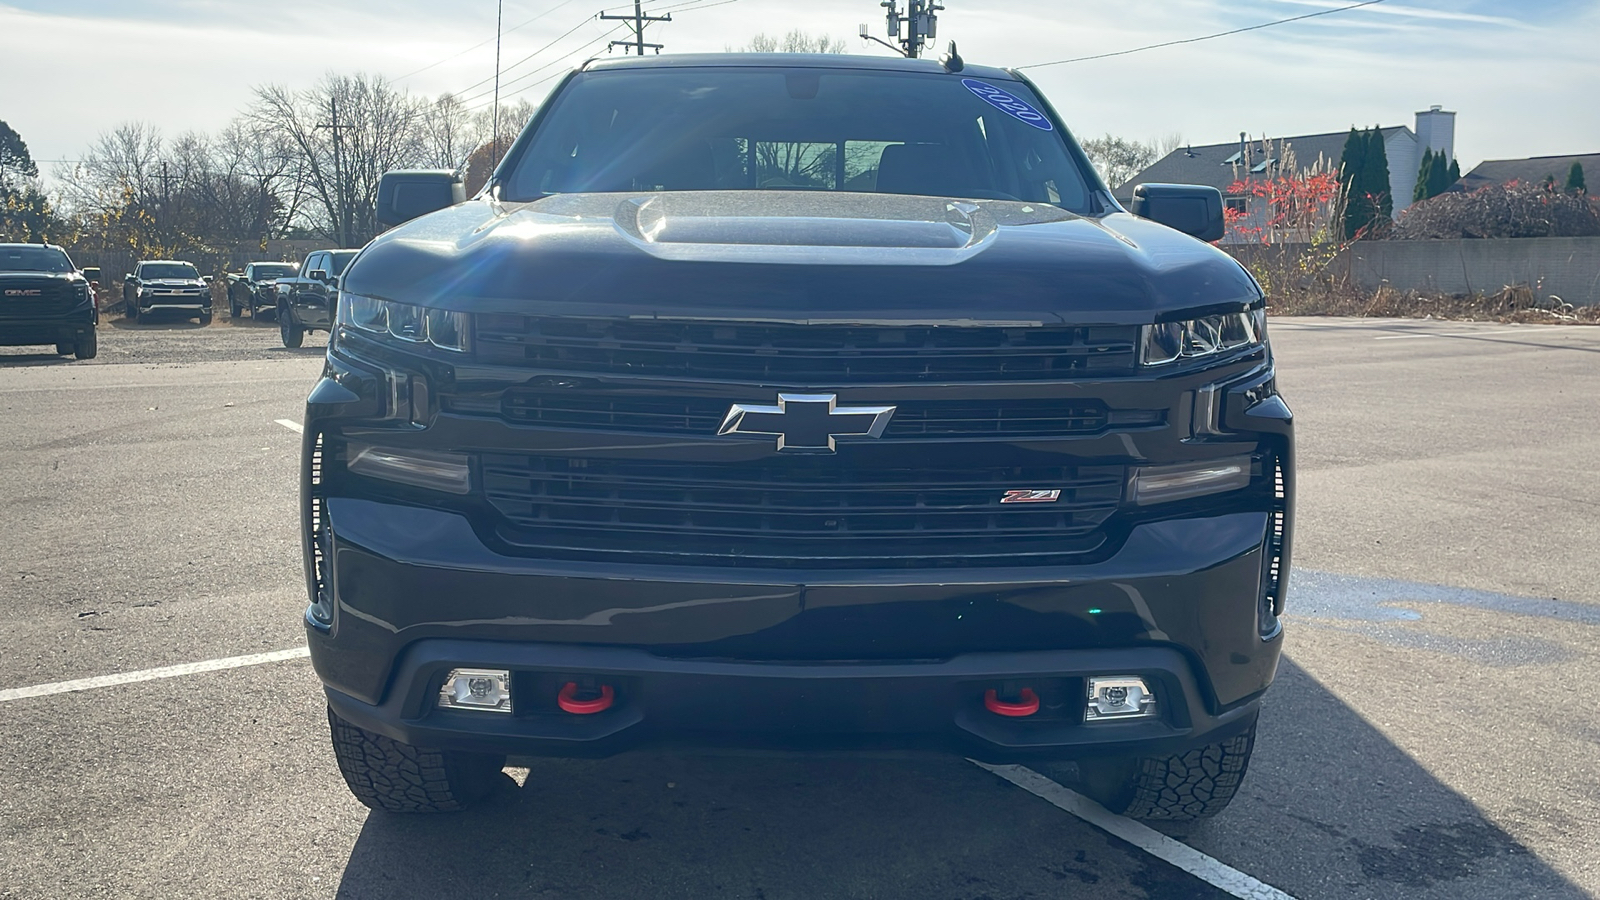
column 485, row 690
column 1119, row 697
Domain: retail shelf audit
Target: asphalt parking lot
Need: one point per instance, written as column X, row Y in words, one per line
column 1435, row 731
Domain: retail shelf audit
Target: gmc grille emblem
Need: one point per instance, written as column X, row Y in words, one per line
column 807, row 422
column 24, row 292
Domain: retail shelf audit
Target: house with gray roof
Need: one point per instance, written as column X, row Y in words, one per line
column 1534, row 170
column 1223, row 166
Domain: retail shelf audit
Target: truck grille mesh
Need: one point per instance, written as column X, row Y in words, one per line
column 647, row 414
column 805, row 354
column 56, row 297
column 798, row 512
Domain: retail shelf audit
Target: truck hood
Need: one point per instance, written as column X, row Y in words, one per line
column 797, row 257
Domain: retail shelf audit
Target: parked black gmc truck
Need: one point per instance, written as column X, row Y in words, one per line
column 44, row 299
column 797, row 402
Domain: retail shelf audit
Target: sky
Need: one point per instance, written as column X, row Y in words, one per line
column 1523, row 75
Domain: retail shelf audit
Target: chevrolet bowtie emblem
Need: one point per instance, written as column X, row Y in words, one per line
column 807, row 421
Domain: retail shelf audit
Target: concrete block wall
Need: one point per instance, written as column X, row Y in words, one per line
column 1568, row 268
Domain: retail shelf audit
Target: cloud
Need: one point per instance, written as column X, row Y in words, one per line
column 1518, row 78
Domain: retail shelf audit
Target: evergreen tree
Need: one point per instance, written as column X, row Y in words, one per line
column 1376, row 180
column 1575, row 183
column 1352, row 167
column 1455, row 172
column 1425, row 178
column 1441, row 173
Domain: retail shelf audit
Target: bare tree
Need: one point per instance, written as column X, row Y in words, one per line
column 348, row 131
column 1119, row 159
column 796, row 41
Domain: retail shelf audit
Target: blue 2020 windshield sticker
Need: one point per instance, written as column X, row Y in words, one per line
column 1016, row 107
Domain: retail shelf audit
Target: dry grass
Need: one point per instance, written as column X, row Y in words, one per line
column 1517, row 304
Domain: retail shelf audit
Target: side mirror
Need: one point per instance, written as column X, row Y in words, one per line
column 1192, row 209
column 319, row 274
column 128, row 277
column 406, row 194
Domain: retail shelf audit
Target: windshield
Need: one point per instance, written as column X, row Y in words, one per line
column 715, row 129
column 283, row 270
column 337, row 261
column 34, row 259
column 155, row 271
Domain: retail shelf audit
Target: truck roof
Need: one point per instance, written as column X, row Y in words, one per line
column 791, row 60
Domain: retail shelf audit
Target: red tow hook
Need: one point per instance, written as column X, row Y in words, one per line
column 1026, row 705
column 569, row 702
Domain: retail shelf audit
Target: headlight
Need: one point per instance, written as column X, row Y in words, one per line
column 1166, row 342
column 445, row 329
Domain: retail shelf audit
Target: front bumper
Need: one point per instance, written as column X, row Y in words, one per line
column 415, row 593
column 928, row 706
column 67, row 329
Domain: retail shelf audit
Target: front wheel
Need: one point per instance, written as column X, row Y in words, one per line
column 387, row 775
column 130, row 310
column 1180, row 788
column 233, row 306
column 293, row 334
column 87, row 347
column 205, row 318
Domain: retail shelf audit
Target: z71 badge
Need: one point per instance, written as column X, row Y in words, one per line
column 1031, row 497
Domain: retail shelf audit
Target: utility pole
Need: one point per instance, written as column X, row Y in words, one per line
column 637, row 22
column 342, row 220
column 920, row 24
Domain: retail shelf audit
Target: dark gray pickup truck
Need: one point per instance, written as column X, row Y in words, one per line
column 797, row 402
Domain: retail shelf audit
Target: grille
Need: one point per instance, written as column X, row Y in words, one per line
column 703, row 416
column 804, row 354
column 794, row 512
column 57, row 298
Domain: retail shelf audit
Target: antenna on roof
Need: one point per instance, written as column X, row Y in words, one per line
column 953, row 62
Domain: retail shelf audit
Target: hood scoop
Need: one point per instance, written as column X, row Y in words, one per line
column 799, row 228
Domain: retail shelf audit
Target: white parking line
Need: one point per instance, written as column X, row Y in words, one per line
column 1201, row 866
column 292, row 425
column 1413, row 337
column 196, row 668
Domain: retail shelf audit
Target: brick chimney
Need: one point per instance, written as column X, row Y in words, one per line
column 1436, row 130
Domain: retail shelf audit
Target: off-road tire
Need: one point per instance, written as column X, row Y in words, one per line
column 293, row 335
column 387, row 775
column 87, row 348
column 63, row 349
column 1181, row 788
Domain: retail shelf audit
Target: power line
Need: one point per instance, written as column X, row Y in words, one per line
column 488, row 42
column 1208, row 37
column 532, row 72
column 530, row 56
column 526, row 75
